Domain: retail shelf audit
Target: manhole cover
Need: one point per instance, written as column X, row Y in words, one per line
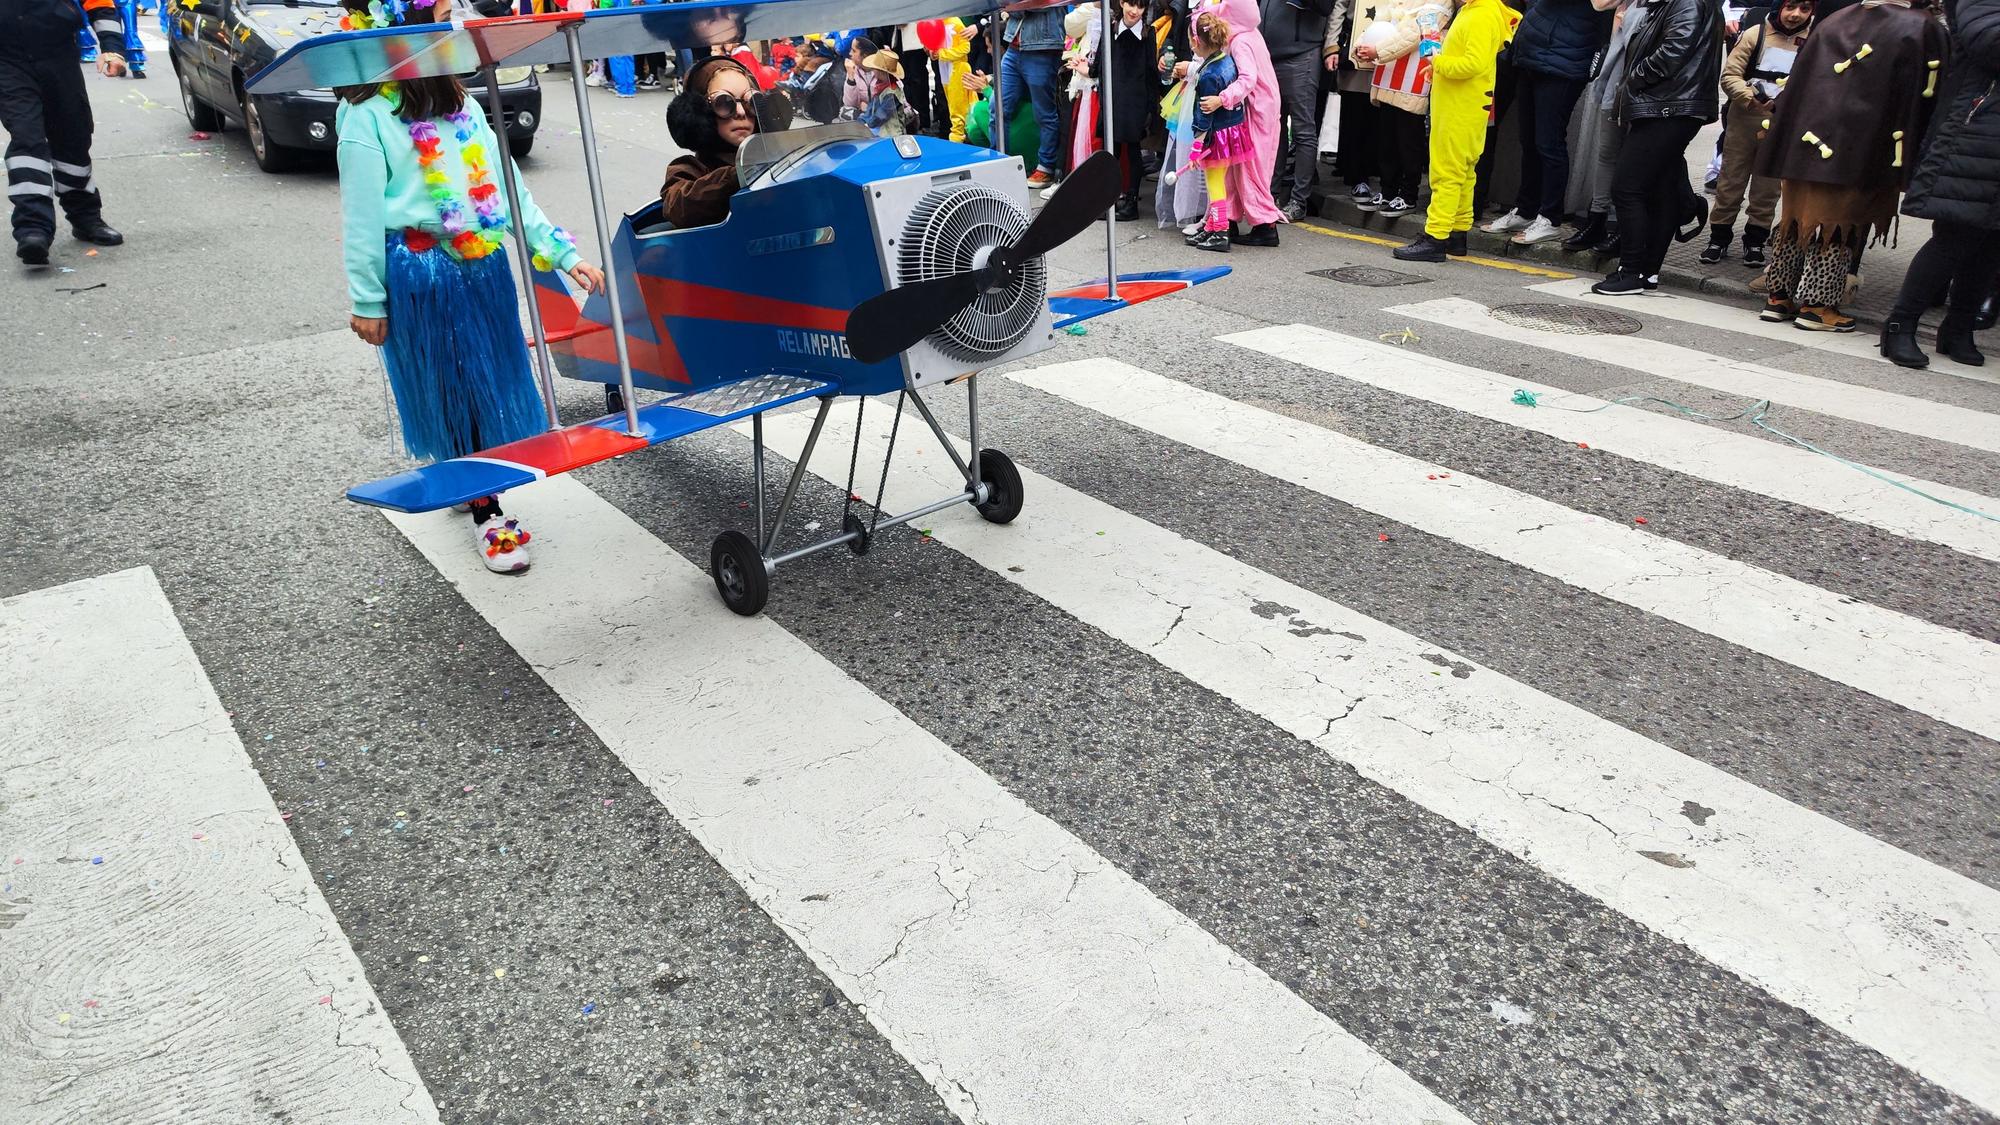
column 1571, row 320
column 1369, row 275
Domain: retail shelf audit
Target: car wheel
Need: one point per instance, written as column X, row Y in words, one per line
column 271, row 156
column 521, row 146
column 201, row 116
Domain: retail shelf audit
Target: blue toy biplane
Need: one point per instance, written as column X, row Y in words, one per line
column 849, row 265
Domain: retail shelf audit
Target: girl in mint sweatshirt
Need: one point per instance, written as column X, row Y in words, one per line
column 423, row 224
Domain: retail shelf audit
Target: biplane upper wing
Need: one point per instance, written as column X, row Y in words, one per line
column 491, row 471
column 361, row 58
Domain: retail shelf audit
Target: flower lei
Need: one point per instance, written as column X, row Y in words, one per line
column 475, row 238
column 465, row 239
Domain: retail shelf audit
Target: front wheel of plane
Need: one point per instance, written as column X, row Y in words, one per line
column 738, row 568
column 1003, row 486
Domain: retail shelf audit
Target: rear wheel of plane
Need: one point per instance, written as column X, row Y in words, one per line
column 1003, row 486
column 738, row 568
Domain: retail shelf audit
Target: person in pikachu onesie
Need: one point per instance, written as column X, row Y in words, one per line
column 1462, row 79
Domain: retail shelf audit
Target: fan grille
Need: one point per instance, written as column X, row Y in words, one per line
column 944, row 234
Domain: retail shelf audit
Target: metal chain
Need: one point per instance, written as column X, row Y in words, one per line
column 882, row 490
column 854, row 456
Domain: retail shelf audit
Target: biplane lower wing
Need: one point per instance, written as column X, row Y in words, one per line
column 492, row 471
column 1083, row 302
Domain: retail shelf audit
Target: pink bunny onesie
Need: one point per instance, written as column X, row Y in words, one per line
column 1256, row 90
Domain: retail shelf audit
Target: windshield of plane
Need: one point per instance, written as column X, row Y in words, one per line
column 782, row 137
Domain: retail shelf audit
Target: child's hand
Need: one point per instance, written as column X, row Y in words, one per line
column 373, row 330
column 588, row 276
column 1211, row 103
column 1364, row 53
column 1180, row 71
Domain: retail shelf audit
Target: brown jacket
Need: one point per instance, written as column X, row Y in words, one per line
column 1754, row 41
column 697, row 190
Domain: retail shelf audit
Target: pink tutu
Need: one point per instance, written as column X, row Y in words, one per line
column 1220, row 148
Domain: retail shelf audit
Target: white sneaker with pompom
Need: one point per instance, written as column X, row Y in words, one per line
column 502, row 544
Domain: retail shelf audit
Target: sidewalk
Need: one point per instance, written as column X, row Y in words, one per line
column 1882, row 266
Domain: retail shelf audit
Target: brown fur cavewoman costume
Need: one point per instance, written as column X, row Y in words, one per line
column 1843, row 138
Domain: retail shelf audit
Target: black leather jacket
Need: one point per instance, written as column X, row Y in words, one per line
column 1674, row 62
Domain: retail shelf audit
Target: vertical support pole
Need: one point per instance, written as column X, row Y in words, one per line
column 757, row 469
column 1104, row 98
column 596, row 177
column 996, row 126
column 972, row 426
column 523, row 254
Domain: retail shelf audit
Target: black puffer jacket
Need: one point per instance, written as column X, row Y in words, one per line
column 1674, row 61
column 1958, row 180
column 1559, row 37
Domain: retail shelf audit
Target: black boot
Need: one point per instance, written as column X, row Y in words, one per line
column 1609, row 244
column 96, row 230
column 1423, row 249
column 32, row 247
column 1454, row 244
column 1989, row 313
column 1264, row 234
column 1587, row 235
column 1899, row 344
column 1955, row 341
column 614, row 398
column 1717, row 249
column 1128, row 208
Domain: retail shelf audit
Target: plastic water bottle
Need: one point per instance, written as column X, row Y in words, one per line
column 1167, row 61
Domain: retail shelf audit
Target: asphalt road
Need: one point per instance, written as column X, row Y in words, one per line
column 553, row 920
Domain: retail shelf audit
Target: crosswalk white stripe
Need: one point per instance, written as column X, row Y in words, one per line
column 1730, row 318
column 1862, row 946
column 1735, row 459
column 201, row 928
column 1002, row 956
column 1883, row 409
column 1933, row 670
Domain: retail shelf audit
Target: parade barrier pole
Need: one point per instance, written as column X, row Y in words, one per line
column 595, row 174
column 1104, row 52
column 521, row 250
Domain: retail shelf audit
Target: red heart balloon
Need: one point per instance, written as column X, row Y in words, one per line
column 931, row 34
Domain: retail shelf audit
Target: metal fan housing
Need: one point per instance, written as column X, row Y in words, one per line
column 930, row 226
column 952, row 230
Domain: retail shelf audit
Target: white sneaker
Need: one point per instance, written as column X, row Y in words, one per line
column 1541, row 230
column 1192, row 229
column 1506, row 224
column 1395, row 207
column 502, row 544
column 594, row 78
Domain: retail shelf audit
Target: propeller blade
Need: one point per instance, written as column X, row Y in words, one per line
column 892, row 322
column 1082, row 199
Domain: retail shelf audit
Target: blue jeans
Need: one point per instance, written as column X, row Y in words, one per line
column 1032, row 74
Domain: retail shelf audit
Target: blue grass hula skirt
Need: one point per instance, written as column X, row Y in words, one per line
column 455, row 354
